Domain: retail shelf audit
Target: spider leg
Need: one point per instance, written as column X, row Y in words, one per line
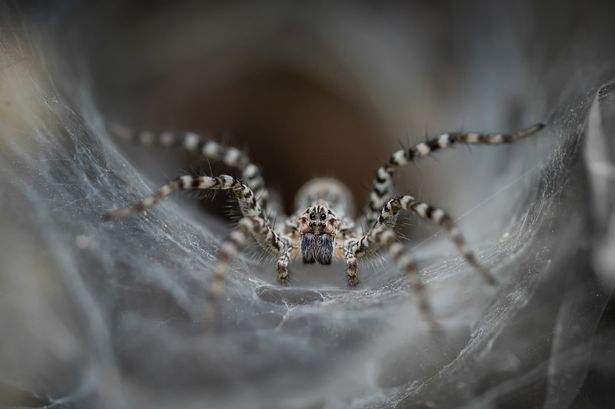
column 384, row 236
column 428, row 212
column 254, row 222
column 351, row 263
column 283, row 261
column 246, row 198
column 382, row 187
column 265, row 235
column 210, row 149
column 259, row 229
column 230, row 248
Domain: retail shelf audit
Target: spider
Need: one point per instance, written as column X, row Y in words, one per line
column 321, row 229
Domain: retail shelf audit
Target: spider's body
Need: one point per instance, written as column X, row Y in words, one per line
column 318, row 225
column 318, row 231
column 321, row 229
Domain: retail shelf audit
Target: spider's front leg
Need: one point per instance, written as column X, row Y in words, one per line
column 254, row 222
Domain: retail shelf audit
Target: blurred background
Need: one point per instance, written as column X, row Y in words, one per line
column 97, row 315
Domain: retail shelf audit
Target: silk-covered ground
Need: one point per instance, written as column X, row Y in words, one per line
column 109, row 315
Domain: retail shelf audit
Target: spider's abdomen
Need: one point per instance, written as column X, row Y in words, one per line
column 328, row 190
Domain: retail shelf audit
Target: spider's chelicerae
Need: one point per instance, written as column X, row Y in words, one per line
column 322, row 228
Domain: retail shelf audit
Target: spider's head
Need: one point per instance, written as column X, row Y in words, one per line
column 318, row 227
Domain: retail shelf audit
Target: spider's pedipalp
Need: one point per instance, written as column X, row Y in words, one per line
column 382, row 186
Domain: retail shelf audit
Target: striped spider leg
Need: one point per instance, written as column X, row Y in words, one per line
column 381, row 234
column 257, row 207
column 254, row 222
column 210, row 150
column 389, row 214
column 321, row 229
column 381, row 211
column 382, row 186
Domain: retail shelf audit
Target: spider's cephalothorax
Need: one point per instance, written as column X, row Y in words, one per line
column 318, row 228
column 319, row 223
column 321, row 230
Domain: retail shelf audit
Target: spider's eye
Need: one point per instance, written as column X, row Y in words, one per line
column 323, row 216
column 312, row 216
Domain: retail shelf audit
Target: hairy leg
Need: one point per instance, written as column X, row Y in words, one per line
column 208, row 148
column 283, row 261
column 384, row 237
column 351, row 262
column 428, row 212
column 230, row 248
column 265, row 235
column 382, row 186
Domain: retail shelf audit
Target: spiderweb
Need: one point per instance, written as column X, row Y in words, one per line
column 110, row 315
